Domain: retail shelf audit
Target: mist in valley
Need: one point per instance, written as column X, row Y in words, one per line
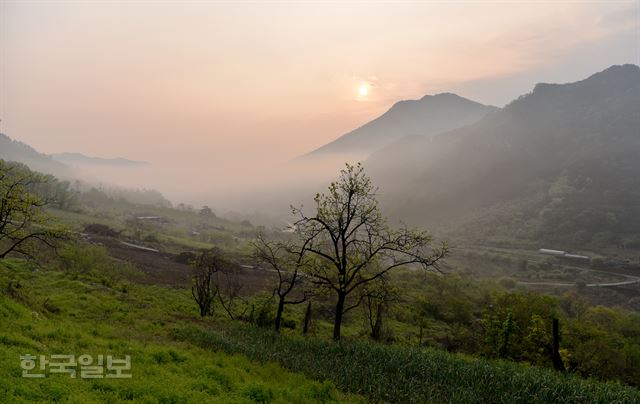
column 320, row 201
column 215, row 132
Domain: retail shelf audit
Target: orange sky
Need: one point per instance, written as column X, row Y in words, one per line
column 234, row 87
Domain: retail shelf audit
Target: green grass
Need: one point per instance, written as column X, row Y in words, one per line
column 408, row 375
column 172, row 237
column 51, row 313
column 177, row 357
column 184, row 242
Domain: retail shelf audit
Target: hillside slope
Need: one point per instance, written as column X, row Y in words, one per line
column 560, row 162
column 47, row 312
column 14, row 150
column 177, row 357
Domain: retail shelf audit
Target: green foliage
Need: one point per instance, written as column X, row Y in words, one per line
column 605, row 343
column 402, row 374
column 459, row 315
column 518, row 326
column 94, row 319
column 87, row 259
column 24, row 226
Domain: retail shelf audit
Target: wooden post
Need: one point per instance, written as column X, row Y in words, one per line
column 557, row 359
column 307, row 319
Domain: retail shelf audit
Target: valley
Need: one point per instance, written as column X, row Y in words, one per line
column 319, row 202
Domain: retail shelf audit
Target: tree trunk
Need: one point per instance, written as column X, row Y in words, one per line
column 279, row 313
column 338, row 320
column 307, row 319
column 555, row 354
column 376, row 332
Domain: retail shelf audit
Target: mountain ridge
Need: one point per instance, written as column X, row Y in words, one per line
column 15, row 150
column 72, row 158
column 581, row 138
column 427, row 116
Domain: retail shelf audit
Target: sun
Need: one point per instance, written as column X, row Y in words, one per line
column 363, row 90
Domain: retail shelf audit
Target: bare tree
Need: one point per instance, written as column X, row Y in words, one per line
column 204, row 289
column 286, row 261
column 378, row 296
column 217, row 277
column 229, row 288
column 351, row 242
column 23, row 223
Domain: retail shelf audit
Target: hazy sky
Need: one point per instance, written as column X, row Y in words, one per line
column 236, row 87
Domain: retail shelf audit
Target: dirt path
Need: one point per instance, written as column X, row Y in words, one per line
column 160, row 268
column 631, row 280
column 589, row 285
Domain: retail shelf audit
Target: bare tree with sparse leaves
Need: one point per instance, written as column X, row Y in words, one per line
column 351, row 243
column 288, row 262
column 378, row 297
column 204, row 289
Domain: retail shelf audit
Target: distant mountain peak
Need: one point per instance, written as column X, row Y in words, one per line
column 437, row 97
column 445, row 95
column 427, row 116
column 618, row 69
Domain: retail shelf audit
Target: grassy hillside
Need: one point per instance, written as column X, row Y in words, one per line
column 177, row 357
column 45, row 313
column 387, row 373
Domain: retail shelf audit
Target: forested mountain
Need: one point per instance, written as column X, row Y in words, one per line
column 14, row 150
column 428, row 116
column 560, row 163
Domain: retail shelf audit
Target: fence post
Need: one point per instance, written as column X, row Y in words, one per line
column 557, row 359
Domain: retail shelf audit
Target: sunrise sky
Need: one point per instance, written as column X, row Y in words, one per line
column 228, row 87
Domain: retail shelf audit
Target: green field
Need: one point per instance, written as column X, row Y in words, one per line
column 50, row 313
column 176, row 357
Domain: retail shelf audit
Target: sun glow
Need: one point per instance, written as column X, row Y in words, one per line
column 363, row 90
